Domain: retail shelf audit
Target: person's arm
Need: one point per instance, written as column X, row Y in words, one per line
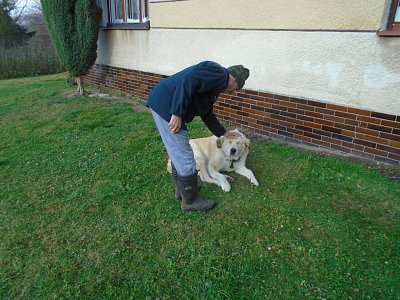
column 213, row 124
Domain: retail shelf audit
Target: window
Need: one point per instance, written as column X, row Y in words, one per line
column 397, row 14
column 392, row 19
column 128, row 14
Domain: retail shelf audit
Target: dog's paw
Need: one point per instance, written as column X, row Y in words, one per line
column 226, row 187
column 254, row 182
column 229, row 178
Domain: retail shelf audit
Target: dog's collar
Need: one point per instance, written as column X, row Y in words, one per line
column 233, row 161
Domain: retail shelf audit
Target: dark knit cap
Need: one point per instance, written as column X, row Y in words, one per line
column 240, row 73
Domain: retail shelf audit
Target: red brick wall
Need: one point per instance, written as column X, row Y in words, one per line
column 134, row 82
column 363, row 133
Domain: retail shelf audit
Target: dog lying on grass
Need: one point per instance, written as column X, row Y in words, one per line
column 226, row 153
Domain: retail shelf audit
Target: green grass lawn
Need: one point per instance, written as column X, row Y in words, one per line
column 87, row 212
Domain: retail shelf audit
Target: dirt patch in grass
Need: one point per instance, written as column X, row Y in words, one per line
column 137, row 104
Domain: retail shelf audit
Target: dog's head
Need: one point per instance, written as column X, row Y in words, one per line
column 234, row 147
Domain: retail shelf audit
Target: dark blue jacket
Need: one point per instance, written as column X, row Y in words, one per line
column 189, row 93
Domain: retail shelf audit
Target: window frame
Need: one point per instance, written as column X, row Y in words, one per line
column 391, row 26
column 128, row 11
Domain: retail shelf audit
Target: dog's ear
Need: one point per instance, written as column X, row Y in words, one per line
column 247, row 143
column 220, row 141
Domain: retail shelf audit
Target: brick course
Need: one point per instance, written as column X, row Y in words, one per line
column 363, row 133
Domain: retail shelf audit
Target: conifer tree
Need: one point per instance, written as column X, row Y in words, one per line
column 73, row 27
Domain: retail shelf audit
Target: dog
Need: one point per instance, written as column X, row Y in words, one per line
column 226, row 153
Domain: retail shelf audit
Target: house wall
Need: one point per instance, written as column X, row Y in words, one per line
column 325, row 52
column 356, row 69
column 271, row 14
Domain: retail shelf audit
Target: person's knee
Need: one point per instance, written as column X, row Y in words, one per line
column 185, row 168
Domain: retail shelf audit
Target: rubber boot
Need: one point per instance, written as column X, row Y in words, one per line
column 178, row 195
column 191, row 201
column 175, row 176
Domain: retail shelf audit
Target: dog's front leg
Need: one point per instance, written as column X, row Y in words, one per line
column 221, row 180
column 248, row 174
column 205, row 177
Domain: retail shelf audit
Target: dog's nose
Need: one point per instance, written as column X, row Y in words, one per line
column 233, row 151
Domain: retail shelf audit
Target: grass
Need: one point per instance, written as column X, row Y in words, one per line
column 87, row 212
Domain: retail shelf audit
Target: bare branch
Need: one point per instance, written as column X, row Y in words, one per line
column 22, row 4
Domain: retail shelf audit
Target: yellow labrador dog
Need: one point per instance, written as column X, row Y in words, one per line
column 227, row 153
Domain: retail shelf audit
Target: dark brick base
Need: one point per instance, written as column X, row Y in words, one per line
column 363, row 133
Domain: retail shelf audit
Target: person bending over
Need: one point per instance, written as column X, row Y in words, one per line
column 175, row 101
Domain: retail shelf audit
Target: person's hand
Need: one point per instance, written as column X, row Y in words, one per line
column 232, row 135
column 175, row 123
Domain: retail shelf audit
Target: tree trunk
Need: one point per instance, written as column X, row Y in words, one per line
column 80, row 90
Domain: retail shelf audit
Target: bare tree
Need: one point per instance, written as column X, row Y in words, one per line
column 35, row 7
column 16, row 7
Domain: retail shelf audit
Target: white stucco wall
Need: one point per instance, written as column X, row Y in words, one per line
column 271, row 14
column 356, row 69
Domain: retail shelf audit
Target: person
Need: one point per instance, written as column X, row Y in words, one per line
column 175, row 101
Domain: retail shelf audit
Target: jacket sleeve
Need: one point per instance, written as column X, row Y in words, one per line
column 199, row 80
column 213, row 124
